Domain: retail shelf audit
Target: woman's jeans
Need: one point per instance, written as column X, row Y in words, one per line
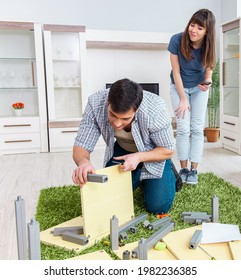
column 158, row 193
column 190, row 137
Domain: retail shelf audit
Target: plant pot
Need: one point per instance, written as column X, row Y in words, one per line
column 212, row 134
column 18, row 112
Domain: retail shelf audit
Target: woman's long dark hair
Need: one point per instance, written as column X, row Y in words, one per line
column 206, row 19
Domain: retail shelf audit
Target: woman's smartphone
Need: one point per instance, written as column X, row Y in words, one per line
column 206, row 83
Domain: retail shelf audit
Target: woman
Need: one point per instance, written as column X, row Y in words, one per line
column 193, row 58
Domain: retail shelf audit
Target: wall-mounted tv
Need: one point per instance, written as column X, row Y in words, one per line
column 152, row 87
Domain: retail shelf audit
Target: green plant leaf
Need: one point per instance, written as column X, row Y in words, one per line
column 214, row 98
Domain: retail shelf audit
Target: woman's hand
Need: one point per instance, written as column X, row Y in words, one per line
column 182, row 108
column 205, row 85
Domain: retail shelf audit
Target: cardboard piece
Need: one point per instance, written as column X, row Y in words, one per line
column 217, row 232
column 100, row 201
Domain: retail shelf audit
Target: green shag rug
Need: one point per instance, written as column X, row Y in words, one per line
column 59, row 204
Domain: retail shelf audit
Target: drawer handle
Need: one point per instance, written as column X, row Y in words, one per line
column 228, row 138
column 69, row 131
column 15, row 125
column 17, row 141
column 229, row 123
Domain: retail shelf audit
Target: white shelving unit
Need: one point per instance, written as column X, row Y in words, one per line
column 22, row 80
column 56, row 67
column 65, row 60
column 230, row 86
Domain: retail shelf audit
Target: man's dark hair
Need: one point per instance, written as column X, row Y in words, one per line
column 124, row 95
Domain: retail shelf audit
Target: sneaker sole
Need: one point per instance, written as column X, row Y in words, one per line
column 191, row 183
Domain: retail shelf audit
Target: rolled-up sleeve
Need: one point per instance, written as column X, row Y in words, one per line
column 88, row 132
column 164, row 137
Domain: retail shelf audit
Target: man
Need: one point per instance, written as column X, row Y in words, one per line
column 136, row 128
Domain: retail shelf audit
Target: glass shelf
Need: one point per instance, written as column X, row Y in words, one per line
column 65, row 52
column 67, row 87
column 231, row 101
column 65, row 60
column 18, row 88
column 23, row 116
column 231, row 72
column 231, row 59
column 17, row 58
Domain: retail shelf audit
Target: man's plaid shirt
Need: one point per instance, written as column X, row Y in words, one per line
column 150, row 128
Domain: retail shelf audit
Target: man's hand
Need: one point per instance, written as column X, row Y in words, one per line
column 130, row 162
column 79, row 175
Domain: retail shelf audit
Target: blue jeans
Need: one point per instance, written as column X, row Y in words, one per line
column 158, row 193
column 190, row 137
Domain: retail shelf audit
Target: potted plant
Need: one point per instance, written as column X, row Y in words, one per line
column 212, row 131
column 18, row 108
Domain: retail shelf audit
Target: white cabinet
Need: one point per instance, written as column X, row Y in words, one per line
column 65, row 60
column 230, row 86
column 20, row 134
column 22, row 80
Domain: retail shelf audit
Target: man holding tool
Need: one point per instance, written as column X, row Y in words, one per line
column 136, row 127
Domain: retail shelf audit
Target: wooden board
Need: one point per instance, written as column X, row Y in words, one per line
column 178, row 243
column 220, row 251
column 48, row 238
column 98, row 255
column 100, row 201
column 152, row 253
column 235, row 248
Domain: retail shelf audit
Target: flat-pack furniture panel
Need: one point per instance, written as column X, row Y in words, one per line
column 100, row 201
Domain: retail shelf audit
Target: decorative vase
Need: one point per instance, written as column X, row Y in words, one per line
column 18, row 112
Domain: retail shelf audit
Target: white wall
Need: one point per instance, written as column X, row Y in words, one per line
column 133, row 15
column 229, row 10
column 143, row 66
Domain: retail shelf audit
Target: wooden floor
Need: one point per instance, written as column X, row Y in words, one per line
column 27, row 174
